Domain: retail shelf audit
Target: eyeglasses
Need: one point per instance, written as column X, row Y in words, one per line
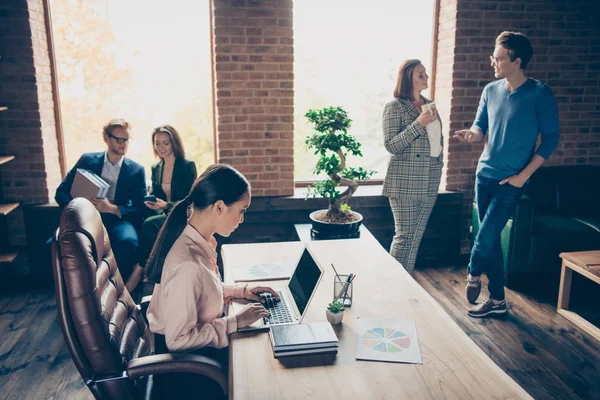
column 118, row 139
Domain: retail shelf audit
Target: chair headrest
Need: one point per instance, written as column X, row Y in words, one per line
column 80, row 215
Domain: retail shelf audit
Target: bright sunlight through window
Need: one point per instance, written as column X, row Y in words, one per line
column 147, row 61
column 347, row 53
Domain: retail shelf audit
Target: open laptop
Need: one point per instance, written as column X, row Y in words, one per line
column 295, row 297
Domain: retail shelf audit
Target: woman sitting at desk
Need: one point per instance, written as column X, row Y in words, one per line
column 172, row 179
column 188, row 299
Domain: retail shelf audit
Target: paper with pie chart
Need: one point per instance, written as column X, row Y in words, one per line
column 261, row 272
column 388, row 340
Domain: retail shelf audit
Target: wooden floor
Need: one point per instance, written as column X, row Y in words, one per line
column 34, row 361
column 541, row 350
column 546, row 354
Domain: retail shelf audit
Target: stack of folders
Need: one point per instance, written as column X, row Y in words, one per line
column 303, row 339
column 87, row 184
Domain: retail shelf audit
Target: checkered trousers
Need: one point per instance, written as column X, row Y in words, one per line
column 410, row 217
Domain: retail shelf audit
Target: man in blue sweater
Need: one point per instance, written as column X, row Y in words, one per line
column 122, row 209
column 513, row 112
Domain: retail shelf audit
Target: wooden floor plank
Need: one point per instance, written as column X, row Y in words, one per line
column 57, row 377
column 524, row 338
column 496, row 351
column 556, row 343
column 23, row 341
column 13, row 310
column 512, row 332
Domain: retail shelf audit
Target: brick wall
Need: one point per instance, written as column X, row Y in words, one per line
column 254, row 78
column 253, row 62
column 566, row 41
column 444, row 90
column 27, row 129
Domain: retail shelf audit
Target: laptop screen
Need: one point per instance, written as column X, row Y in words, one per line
column 305, row 279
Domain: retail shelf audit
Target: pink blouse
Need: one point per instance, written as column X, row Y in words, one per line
column 187, row 306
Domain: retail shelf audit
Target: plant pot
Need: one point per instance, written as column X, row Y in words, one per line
column 334, row 318
column 326, row 231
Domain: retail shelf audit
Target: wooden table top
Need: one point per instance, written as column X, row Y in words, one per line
column 453, row 366
column 587, row 260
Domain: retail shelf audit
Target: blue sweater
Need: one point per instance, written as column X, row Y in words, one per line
column 511, row 123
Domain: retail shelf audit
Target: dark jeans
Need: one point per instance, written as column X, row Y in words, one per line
column 148, row 236
column 496, row 204
column 124, row 242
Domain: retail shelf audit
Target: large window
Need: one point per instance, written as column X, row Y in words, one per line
column 347, row 53
column 147, row 61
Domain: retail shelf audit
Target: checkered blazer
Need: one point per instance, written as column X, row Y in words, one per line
column 408, row 169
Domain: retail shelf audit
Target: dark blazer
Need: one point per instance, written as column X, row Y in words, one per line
column 184, row 175
column 408, row 170
column 130, row 190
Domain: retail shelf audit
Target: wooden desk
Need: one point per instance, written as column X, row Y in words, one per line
column 453, row 366
column 586, row 263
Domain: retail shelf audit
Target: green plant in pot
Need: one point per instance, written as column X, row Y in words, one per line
column 335, row 312
column 332, row 143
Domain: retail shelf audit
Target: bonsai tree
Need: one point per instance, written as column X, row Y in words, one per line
column 335, row 306
column 332, row 143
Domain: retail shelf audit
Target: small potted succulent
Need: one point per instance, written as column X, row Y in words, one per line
column 335, row 312
column 332, row 143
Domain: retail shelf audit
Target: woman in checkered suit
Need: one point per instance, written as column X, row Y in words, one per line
column 413, row 136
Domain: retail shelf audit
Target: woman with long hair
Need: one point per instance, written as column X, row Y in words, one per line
column 186, row 310
column 172, row 179
column 413, row 136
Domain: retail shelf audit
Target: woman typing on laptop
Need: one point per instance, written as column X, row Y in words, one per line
column 186, row 310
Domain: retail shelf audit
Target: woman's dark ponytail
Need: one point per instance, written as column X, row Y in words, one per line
column 218, row 182
column 168, row 234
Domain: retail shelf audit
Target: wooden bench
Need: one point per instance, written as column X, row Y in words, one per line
column 586, row 263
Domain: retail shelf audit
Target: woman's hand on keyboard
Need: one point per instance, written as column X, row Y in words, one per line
column 250, row 313
column 252, row 293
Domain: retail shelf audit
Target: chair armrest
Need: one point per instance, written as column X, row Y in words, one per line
column 145, row 301
column 178, row 362
column 143, row 307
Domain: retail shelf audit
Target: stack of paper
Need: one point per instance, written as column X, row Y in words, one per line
column 87, row 184
column 300, row 339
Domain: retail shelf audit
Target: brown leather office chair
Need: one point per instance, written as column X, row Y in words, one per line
column 105, row 331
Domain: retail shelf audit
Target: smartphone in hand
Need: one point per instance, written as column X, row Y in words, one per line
column 151, row 198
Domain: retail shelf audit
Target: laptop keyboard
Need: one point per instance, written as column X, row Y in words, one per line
column 280, row 314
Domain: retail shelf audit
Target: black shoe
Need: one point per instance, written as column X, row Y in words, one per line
column 487, row 308
column 472, row 290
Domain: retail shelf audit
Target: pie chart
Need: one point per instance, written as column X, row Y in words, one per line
column 266, row 270
column 385, row 340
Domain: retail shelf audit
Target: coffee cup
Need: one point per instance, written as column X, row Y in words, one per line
column 429, row 107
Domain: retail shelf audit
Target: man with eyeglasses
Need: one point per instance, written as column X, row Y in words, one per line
column 122, row 208
column 513, row 112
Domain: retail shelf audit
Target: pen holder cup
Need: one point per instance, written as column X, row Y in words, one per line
column 342, row 290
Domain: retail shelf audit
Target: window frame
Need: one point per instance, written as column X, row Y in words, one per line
column 434, row 46
column 60, row 139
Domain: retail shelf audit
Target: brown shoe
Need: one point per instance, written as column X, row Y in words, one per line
column 472, row 290
column 487, row 308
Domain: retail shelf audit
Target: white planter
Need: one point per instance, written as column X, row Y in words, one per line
column 334, row 318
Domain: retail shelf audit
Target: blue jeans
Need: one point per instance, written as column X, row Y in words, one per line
column 496, row 203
